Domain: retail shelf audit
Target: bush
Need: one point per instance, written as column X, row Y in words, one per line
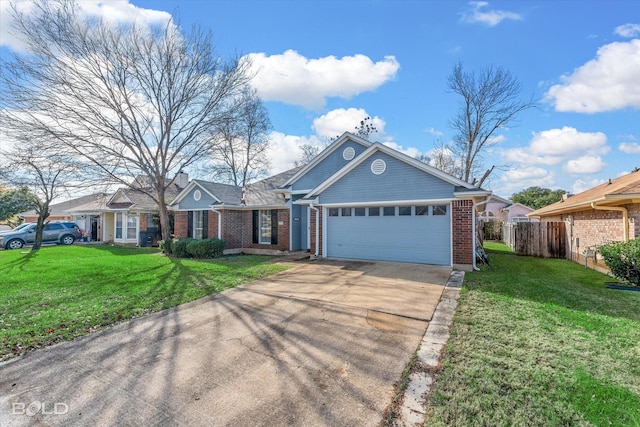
column 165, row 245
column 179, row 247
column 206, row 248
column 623, row 259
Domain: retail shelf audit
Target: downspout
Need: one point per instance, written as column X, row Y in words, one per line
column 625, row 217
column 473, row 219
column 317, row 228
column 219, row 221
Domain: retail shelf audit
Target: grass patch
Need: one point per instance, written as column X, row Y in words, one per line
column 540, row 342
column 61, row 292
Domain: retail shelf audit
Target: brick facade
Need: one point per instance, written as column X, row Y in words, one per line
column 595, row 227
column 237, row 228
column 314, row 216
column 462, row 229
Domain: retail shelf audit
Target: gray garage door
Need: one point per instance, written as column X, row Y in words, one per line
column 419, row 234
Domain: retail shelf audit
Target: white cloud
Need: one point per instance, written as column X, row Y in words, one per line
column 295, row 79
column 584, row 165
column 336, row 122
column 608, row 82
column 116, row 11
column 629, row 147
column 284, row 150
column 628, row 30
column 490, row 17
column 520, row 177
column 409, row 151
column 581, row 185
column 435, row 132
column 551, row 147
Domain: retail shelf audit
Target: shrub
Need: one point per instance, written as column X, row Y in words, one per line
column 179, row 247
column 165, row 246
column 623, row 259
column 206, row 248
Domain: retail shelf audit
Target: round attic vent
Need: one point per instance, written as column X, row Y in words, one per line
column 348, row 153
column 378, row 166
column 196, row 195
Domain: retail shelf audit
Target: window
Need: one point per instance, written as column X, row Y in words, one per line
column 119, row 225
column 389, row 211
column 404, row 211
column 374, row 211
column 132, row 226
column 265, row 227
column 346, row 211
column 422, row 210
column 333, row 211
column 440, row 210
column 50, row 227
column 359, row 211
column 198, row 225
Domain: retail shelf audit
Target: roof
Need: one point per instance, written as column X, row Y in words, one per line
column 461, row 187
column 615, row 192
column 226, row 193
column 261, row 192
column 140, row 199
column 72, row 205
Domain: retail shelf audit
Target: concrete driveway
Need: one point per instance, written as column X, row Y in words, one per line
column 321, row 344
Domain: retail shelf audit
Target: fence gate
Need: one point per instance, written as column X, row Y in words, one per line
column 541, row 239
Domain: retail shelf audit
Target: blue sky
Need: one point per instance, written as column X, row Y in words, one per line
column 321, row 66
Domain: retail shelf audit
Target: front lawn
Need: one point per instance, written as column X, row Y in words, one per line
column 540, row 342
column 61, row 292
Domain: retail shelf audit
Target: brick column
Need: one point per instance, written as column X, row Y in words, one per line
column 312, row 232
column 462, row 228
column 180, row 226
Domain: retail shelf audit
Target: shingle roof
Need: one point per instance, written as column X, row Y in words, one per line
column 260, row 193
column 228, row 194
column 73, row 204
column 622, row 190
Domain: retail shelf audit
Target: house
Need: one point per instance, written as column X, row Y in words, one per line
column 120, row 217
column 504, row 210
column 607, row 212
column 354, row 200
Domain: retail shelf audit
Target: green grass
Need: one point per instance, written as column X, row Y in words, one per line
column 61, row 292
column 540, row 342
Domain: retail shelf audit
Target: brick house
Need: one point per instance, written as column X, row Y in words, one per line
column 356, row 199
column 607, row 212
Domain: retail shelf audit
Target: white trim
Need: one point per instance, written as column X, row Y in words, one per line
column 324, row 233
column 347, row 136
column 188, row 189
column 389, row 203
column 375, row 147
column 308, row 228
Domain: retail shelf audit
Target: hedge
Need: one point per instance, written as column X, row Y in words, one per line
column 193, row 248
column 623, row 259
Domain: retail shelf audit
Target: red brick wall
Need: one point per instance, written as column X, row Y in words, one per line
column 596, row 227
column 180, row 225
column 233, row 224
column 462, row 229
column 312, row 231
column 212, row 225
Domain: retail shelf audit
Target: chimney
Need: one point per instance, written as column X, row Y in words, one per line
column 565, row 196
column 182, row 179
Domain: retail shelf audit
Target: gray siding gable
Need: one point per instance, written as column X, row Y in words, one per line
column 327, row 167
column 188, row 202
column 400, row 181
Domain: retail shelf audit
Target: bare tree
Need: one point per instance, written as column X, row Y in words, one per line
column 241, row 142
column 45, row 170
column 127, row 100
column 489, row 102
column 308, row 153
column 366, row 128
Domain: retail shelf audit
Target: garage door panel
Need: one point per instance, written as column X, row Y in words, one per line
column 421, row 239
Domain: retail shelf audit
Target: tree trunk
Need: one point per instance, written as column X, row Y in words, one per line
column 165, row 225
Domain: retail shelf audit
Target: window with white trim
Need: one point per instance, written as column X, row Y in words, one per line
column 118, row 225
column 198, row 224
column 265, row 227
column 132, row 226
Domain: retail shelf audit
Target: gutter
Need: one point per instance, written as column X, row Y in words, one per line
column 219, row 221
column 473, row 225
column 625, row 217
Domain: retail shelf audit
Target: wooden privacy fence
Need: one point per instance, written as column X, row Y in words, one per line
column 541, row 239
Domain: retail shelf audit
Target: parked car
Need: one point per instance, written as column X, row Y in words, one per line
column 18, row 228
column 60, row 232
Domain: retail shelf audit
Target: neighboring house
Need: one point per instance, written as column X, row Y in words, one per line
column 499, row 208
column 356, row 199
column 608, row 212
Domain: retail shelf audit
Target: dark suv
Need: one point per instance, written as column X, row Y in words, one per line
column 60, row 232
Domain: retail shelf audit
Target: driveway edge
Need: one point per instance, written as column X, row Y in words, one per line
column 429, row 353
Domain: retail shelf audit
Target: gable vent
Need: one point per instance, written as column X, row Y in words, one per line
column 348, row 153
column 378, row 166
column 197, row 195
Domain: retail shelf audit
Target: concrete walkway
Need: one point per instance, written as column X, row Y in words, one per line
column 321, row 344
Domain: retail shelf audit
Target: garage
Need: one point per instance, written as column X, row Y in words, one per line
column 415, row 233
